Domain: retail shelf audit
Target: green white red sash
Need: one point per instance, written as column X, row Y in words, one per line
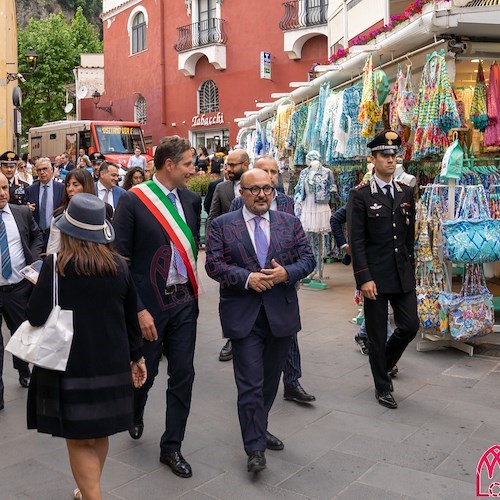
column 157, row 202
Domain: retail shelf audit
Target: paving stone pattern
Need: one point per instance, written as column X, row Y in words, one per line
column 345, row 446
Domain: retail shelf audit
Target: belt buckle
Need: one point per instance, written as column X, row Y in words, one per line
column 173, row 289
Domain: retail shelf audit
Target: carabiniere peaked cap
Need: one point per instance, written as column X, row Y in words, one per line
column 387, row 142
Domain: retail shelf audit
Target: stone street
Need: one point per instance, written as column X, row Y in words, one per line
column 345, row 446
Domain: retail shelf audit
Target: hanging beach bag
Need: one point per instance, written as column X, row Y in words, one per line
column 470, row 313
column 47, row 346
column 453, row 161
column 407, row 101
column 428, row 290
column 473, row 237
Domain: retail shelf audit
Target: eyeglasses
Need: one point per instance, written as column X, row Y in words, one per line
column 255, row 190
column 46, row 169
column 232, row 165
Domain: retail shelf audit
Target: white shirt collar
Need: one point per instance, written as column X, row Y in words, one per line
column 101, row 186
column 381, row 184
column 247, row 215
column 7, row 209
column 164, row 188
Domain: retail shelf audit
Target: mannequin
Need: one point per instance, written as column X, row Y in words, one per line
column 312, row 197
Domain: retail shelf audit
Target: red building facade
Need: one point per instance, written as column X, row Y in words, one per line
column 190, row 67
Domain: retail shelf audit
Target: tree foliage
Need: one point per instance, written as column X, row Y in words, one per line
column 58, row 46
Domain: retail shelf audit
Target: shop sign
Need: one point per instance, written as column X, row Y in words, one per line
column 265, row 65
column 207, row 120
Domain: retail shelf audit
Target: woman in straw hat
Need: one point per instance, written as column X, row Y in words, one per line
column 92, row 399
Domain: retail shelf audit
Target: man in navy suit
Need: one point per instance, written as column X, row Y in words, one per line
column 283, row 203
column 166, row 296
column 106, row 187
column 258, row 255
column 44, row 196
column 20, row 245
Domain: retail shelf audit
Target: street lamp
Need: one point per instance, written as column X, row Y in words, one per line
column 31, row 58
column 96, row 98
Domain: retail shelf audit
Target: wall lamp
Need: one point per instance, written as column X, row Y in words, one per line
column 96, row 97
column 31, row 58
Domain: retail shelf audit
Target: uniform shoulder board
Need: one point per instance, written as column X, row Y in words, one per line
column 362, row 185
column 402, row 183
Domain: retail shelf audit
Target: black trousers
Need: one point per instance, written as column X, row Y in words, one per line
column 176, row 327
column 384, row 355
column 13, row 302
column 258, row 361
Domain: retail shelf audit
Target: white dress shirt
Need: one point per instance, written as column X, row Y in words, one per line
column 101, row 193
column 17, row 259
column 381, row 184
column 174, row 278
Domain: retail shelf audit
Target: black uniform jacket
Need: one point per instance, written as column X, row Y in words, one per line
column 382, row 237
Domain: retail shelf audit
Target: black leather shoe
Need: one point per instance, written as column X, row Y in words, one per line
column 138, row 427
column 393, row 372
column 24, row 380
column 386, row 399
column 256, row 461
column 176, row 462
column 226, row 353
column 298, row 394
column 273, row 443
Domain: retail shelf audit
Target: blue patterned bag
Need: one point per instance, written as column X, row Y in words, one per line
column 473, row 237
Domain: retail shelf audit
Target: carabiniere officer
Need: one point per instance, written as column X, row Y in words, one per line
column 381, row 222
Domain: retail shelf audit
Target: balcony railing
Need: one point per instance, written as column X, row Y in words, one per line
column 206, row 32
column 304, row 13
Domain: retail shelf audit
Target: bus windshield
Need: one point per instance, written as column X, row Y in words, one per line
column 119, row 139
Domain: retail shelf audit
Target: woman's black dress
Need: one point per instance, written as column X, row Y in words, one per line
column 94, row 397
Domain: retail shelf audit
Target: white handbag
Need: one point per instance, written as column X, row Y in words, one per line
column 47, row 346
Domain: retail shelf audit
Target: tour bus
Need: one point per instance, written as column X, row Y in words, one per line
column 115, row 140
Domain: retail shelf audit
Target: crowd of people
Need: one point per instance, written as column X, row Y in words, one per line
column 256, row 249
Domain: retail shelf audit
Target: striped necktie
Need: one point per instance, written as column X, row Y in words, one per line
column 4, row 249
column 261, row 244
column 178, row 262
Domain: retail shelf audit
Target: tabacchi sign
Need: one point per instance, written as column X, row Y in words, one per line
column 207, row 120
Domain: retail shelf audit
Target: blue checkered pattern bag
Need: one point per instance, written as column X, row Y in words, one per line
column 473, row 237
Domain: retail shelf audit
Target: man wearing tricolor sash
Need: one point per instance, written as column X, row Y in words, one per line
column 157, row 226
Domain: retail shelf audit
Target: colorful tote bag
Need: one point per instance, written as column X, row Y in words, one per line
column 473, row 237
column 407, row 101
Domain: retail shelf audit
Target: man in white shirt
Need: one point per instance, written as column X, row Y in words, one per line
column 20, row 245
column 137, row 160
column 107, row 188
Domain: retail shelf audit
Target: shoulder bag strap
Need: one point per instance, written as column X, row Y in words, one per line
column 55, row 283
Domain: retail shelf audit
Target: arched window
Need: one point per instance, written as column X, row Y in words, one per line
column 138, row 33
column 208, row 97
column 140, row 110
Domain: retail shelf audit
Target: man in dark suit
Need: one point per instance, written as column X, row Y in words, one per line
column 258, row 256
column 17, row 187
column 283, row 203
column 236, row 164
column 164, row 273
column 20, row 245
column 106, row 187
column 207, row 202
column 66, row 163
column 44, row 196
column 381, row 222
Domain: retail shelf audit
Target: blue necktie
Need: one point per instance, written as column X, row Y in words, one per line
column 43, row 209
column 261, row 244
column 178, row 262
column 4, row 250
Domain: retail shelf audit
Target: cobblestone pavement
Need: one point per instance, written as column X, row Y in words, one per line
column 345, row 446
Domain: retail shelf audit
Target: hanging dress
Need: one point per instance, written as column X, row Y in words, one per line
column 492, row 132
